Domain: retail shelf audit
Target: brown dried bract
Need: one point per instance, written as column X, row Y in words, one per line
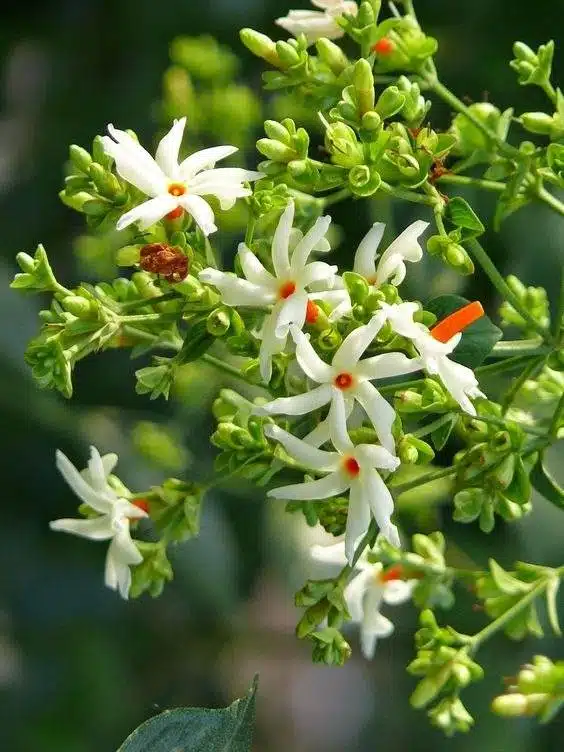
column 163, row 259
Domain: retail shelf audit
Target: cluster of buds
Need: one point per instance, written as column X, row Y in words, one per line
column 493, row 474
column 326, row 611
column 533, row 299
column 537, row 690
column 444, row 661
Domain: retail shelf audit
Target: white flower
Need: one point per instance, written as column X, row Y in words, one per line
column 391, row 264
column 459, row 380
column 346, row 380
column 349, row 468
column 285, row 290
column 174, row 186
column 316, row 24
column 366, row 593
column 92, row 488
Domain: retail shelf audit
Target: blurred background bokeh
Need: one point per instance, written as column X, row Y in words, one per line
column 79, row 668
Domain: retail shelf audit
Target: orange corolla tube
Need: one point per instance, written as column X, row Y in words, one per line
column 457, row 321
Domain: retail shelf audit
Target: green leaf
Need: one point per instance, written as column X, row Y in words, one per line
column 477, row 340
column 546, row 485
column 198, row 729
column 462, row 215
column 441, row 435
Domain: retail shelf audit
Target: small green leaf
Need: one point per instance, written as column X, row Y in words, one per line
column 462, row 215
column 546, row 485
column 477, row 340
column 198, row 729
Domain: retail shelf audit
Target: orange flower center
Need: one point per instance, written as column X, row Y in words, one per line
column 344, row 381
column 312, row 312
column 140, row 504
column 457, row 321
column 395, row 572
column 177, row 189
column 351, row 466
column 383, row 46
column 287, row 289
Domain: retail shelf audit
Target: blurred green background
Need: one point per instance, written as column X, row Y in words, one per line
column 79, row 669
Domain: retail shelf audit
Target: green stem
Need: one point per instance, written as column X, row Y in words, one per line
column 510, row 348
column 504, row 365
column 558, row 322
column 227, row 368
column 516, row 386
column 445, row 472
column 250, row 230
column 550, row 200
column 503, row 288
column 335, row 198
column 430, row 427
column 486, row 185
column 406, row 195
column 550, row 91
column 533, row 430
column 124, row 307
column 506, row 617
column 558, row 413
column 457, row 104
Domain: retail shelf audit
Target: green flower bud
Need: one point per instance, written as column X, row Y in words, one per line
column 342, row 144
column 218, row 322
column 357, row 287
column 332, row 55
column 128, row 255
column 537, row 122
column 287, row 55
column 364, row 181
column 390, row 102
column 260, row 45
column 510, row 706
column 80, row 158
column 363, row 82
column 277, row 132
column 145, row 285
column 408, row 402
column 275, row 150
column 371, row 121
column 78, row 306
column 26, row 262
column 469, row 137
column 329, row 340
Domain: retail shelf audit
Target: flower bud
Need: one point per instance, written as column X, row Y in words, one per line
column 26, row 262
column 363, row 81
column 371, row 121
column 275, row 150
column 78, row 306
column 287, row 55
column 277, row 132
column 390, row 102
column 332, row 55
column 342, row 144
column 537, row 122
column 218, row 322
column 511, row 705
column 260, row 45
column 80, row 158
column 364, row 181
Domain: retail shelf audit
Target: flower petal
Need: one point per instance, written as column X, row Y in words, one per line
column 204, row 160
column 398, row 591
column 313, row 24
column 405, row 247
column 374, row 625
column 364, row 259
column 400, row 317
column 379, row 411
column 96, row 471
column 133, row 163
column 378, row 496
column 303, row 453
column 334, row 554
column 387, row 365
column 317, row 271
column 337, row 420
column 98, row 502
column 97, row 528
column 459, row 381
column 358, row 519
column 301, row 404
column 354, row 594
column 253, row 269
column 148, row 212
column 325, row 488
column 271, row 343
column 372, row 455
column 222, row 179
column 349, row 353
column 339, row 301
column 292, row 313
column 322, row 432
column 281, row 241
column 309, row 241
column 309, row 360
column 236, row 291
column 200, row 210
column 168, row 149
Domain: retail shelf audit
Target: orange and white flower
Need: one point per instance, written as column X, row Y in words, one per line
column 345, row 381
column 371, row 587
column 114, row 516
column 434, row 346
column 318, row 23
column 287, row 291
column 175, row 187
column 350, row 468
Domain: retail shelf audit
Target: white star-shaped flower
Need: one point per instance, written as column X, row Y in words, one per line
column 318, row 23
column 286, row 291
column 115, row 513
column 176, row 187
column 459, row 380
column 390, row 266
column 352, row 468
column 346, row 380
column 370, row 588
